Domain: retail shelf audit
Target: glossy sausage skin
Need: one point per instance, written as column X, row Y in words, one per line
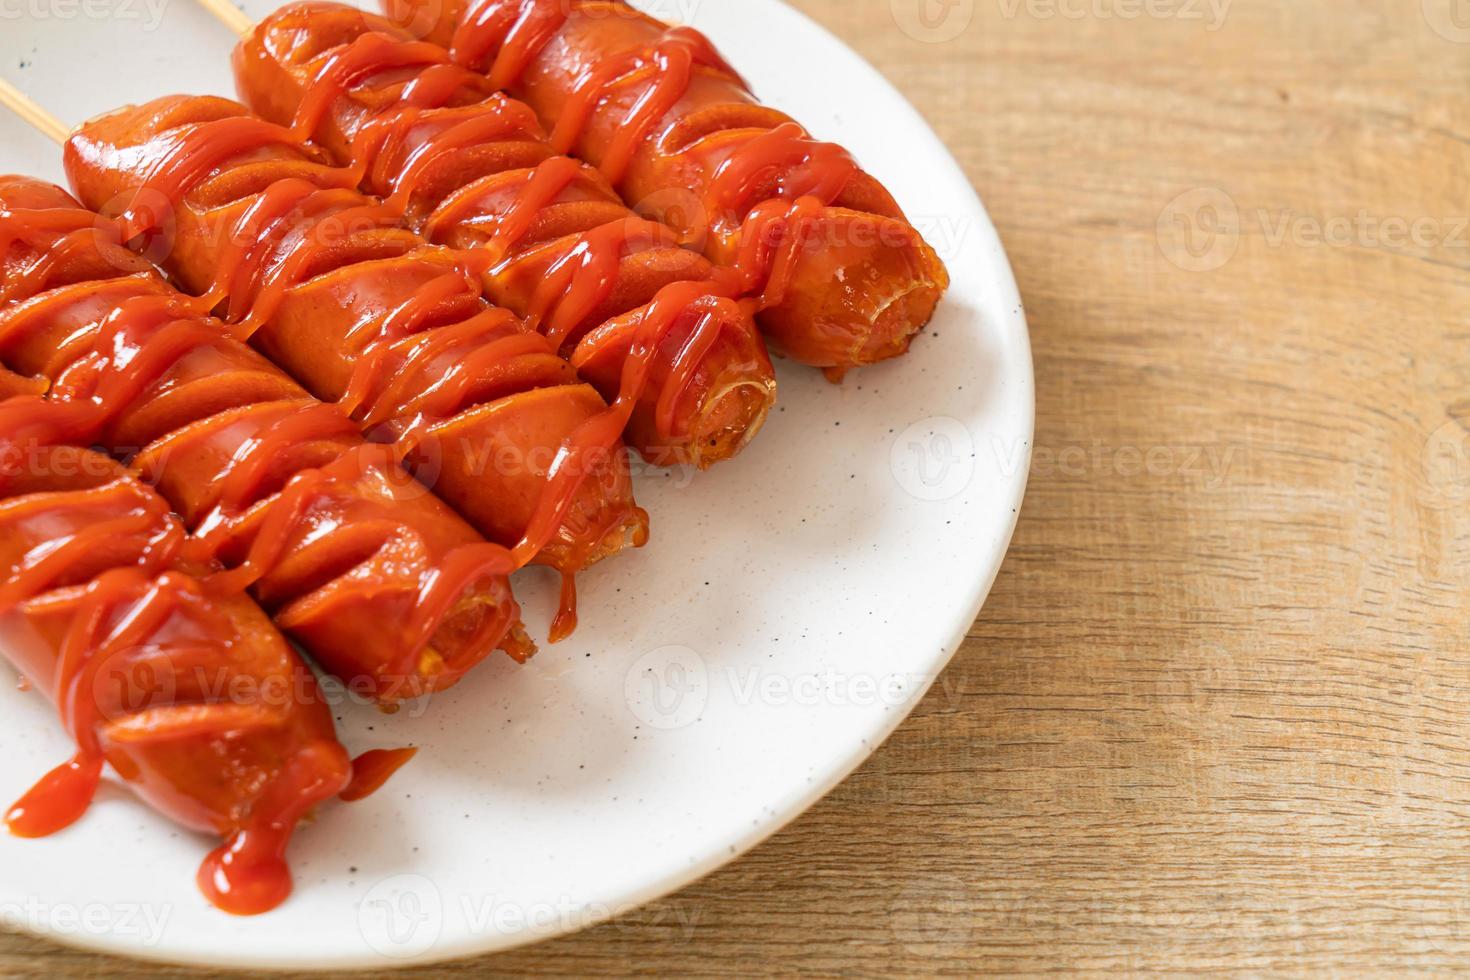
column 845, row 277
column 328, row 285
column 470, row 168
column 14, row 385
column 344, row 548
column 185, row 689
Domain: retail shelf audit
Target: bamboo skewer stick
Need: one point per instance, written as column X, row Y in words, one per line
column 29, row 110
column 230, row 15
column 57, row 131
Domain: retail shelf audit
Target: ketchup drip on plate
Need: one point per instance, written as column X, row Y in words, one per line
column 58, row 800
column 118, row 611
column 248, row 874
column 372, row 769
column 127, row 611
column 65, row 793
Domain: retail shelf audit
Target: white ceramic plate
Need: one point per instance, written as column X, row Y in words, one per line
column 791, row 609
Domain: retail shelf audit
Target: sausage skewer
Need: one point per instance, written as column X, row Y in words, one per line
column 843, row 277
column 156, row 663
column 469, row 168
column 364, row 313
column 384, row 585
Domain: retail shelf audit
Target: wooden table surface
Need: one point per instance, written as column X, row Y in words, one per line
column 1216, row 714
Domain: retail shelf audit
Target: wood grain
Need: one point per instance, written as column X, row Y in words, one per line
column 1215, row 714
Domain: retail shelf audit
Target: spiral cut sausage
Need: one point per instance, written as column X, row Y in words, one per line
column 844, row 279
column 378, row 580
column 157, row 665
column 328, row 285
column 471, row 169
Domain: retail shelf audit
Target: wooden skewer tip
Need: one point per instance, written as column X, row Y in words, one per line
column 230, row 15
column 29, row 110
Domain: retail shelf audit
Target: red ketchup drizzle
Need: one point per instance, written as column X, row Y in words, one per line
column 270, row 248
column 238, row 487
column 439, row 586
column 274, row 249
column 668, row 64
column 58, row 800
column 576, row 282
column 130, row 351
column 123, row 609
column 372, row 769
column 133, row 348
column 57, row 235
column 118, row 610
column 146, row 335
column 63, row 795
column 248, row 874
column 811, row 174
column 197, row 153
column 525, row 31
